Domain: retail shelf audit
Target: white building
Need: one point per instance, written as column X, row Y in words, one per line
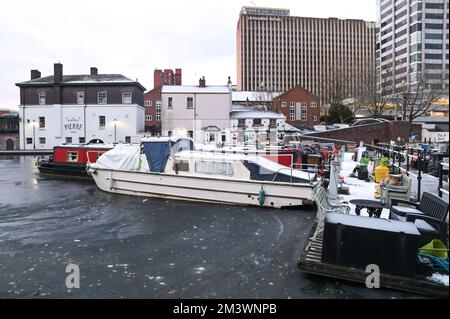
column 248, row 125
column 195, row 109
column 76, row 109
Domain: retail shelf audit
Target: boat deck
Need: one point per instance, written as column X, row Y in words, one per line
column 310, row 262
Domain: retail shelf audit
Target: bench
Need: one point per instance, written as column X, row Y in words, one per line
column 429, row 216
column 326, row 204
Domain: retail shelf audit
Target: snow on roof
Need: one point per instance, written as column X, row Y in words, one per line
column 247, row 114
column 82, row 79
column 224, row 89
column 253, row 96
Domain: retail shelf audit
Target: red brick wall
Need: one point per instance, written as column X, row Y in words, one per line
column 374, row 133
column 153, row 96
column 5, row 137
column 166, row 77
column 298, row 95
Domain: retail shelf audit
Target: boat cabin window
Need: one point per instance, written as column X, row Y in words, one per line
column 72, row 156
column 181, row 166
column 214, row 168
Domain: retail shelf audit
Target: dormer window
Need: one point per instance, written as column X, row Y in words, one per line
column 41, row 98
column 102, row 97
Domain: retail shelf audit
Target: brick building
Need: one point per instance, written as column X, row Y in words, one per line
column 166, row 77
column 299, row 106
column 152, row 98
column 9, row 131
column 59, row 109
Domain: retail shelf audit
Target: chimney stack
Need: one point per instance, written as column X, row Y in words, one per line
column 35, row 74
column 94, row 71
column 202, row 82
column 58, row 73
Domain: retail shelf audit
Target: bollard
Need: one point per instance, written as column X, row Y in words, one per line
column 419, row 175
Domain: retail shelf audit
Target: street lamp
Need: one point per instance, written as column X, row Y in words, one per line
column 34, row 134
column 115, row 130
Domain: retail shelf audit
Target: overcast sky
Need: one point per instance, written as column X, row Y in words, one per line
column 134, row 37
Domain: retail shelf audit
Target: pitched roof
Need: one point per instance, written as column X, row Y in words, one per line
column 195, row 89
column 82, row 79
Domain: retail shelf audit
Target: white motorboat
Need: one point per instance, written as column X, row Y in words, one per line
column 171, row 168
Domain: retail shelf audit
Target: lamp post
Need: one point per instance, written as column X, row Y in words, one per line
column 115, row 130
column 34, row 134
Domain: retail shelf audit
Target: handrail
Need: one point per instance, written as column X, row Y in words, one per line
column 292, row 169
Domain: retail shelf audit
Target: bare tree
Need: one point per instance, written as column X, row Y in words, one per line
column 334, row 88
column 371, row 97
column 419, row 99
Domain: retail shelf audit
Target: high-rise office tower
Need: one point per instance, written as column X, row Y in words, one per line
column 276, row 52
column 412, row 44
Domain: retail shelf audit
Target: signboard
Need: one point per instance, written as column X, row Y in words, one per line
column 73, row 125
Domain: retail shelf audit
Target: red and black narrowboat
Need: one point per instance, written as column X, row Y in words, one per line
column 70, row 160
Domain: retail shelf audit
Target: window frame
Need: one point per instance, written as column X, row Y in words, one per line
column 81, row 95
column 124, row 101
column 100, row 126
column 42, row 140
column 41, row 98
column 72, row 160
column 105, row 97
column 41, row 124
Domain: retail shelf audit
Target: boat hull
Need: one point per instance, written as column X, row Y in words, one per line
column 62, row 169
column 194, row 188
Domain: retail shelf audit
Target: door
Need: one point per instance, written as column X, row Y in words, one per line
column 9, row 144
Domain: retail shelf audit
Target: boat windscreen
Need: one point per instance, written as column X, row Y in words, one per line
column 182, row 145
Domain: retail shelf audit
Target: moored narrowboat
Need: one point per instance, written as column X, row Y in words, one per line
column 71, row 160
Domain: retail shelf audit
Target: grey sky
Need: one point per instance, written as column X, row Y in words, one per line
column 134, row 37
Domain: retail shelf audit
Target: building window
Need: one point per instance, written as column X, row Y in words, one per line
column 101, row 121
column 283, row 104
column 147, row 103
column 29, row 140
column 256, row 122
column 304, row 111
column 190, row 102
column 148, row 117
column 170, row 103
column 313, row 104
column 42, row 140
column 41, row 98
column 169, row 133
column 72, row 156
column 314, row 118
column 102, row 97
column 81, row 140
column 272, row 123
column 126, row 98
column 68, row 140
column 127, row 139
column 80, row 97
column 241, row 123
column 41, row 122
column 292, row 113
column 158, row 110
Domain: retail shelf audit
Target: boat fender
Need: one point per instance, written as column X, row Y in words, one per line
column 262, row 196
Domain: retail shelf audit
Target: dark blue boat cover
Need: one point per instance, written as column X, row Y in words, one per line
column 157, row 154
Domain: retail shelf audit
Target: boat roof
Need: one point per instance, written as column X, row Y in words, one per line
column 81, row 146
column 164, row 139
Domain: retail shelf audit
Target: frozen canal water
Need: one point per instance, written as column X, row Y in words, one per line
column 129, row 247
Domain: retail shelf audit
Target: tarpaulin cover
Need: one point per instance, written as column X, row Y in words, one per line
column 157, row 154
column 122, row 157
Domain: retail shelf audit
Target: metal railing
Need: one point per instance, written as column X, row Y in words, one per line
column 443, row 171
column 291, row 169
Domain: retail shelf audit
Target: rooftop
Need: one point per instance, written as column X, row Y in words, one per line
column 81, row 79
column 253, row 96
column 248, row 114
column 224, row 89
